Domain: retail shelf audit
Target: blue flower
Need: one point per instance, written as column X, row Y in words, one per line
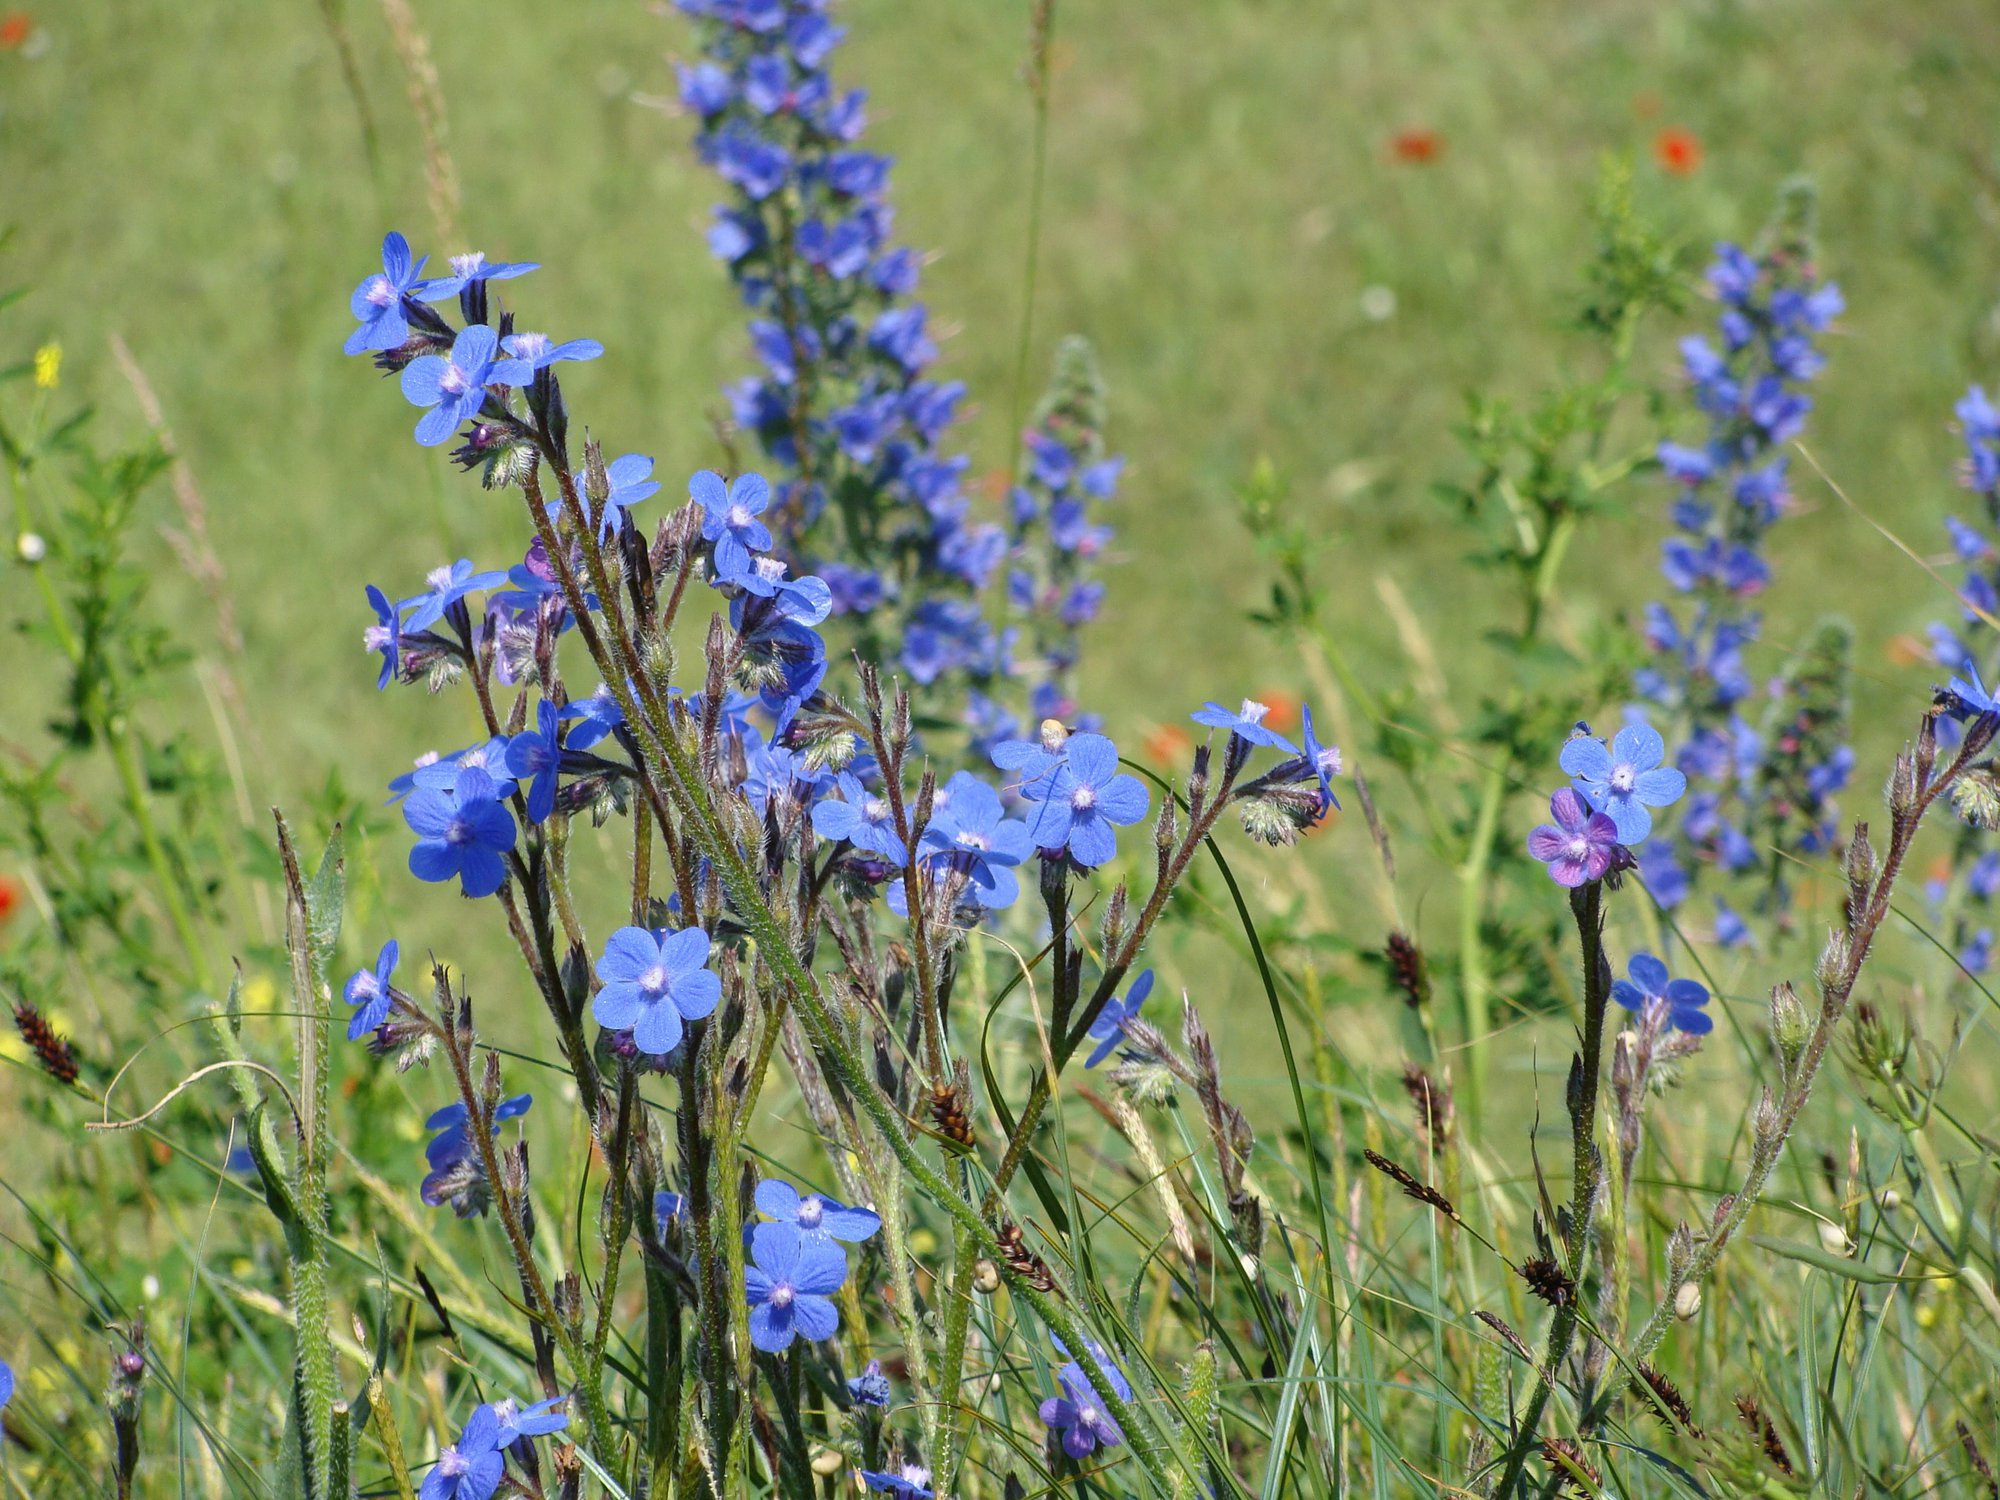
column 538, row 351
column 386, row 634
column 864, row 818
column 817, row 1216
column 1082, row 798
column 1681, row 999
column 458, row 1173
column 630, row 480
column 1579, row 846
column 729, row 517
column 1246, row 724
column 472, row 268
column 1966, row 697
column 471, row 1468
column 447, row 587
column 653, row 981
column 972, row 834
column 870, row 1387
column 369, row 990
column 1109, row 1028
column 378, row 301
column 7, row 1382
column 515, row 1421
column 1625, row 780
column 1079, row 1414
column 454, row 387
column 1976, row 957
column 667, row 1207
column 1323, row 761
column 789, row 1286
column 594, row 718
column 908, row 1482
column 462, row 832
column 805, row 601
column 440, row 774
column 535, row 755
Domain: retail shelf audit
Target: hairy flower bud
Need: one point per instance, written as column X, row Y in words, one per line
column 1789, row 1028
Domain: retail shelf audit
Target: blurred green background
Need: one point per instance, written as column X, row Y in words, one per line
column 1228, row 218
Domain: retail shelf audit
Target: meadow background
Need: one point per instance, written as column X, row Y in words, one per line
column 1294, row 231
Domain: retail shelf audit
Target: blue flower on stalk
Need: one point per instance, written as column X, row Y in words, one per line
column 729, row 517
column 870, row 1387
column 447, row 587
column 458, row 1173
column 385, row 635
column 908, row 1482
column 652, row 982
column 441, row 773
column 369, row 990
column 667, row 1207
column 462, row 832
column 1108, row 1030
column 1625, row 780
column 472, row 1467
column 864, row 818
column 7, row 1383
column 1247, row 723
column 535, row 756
column 805, row 601
column 1682, row 999
column 378, row 301
column 817, row 1216
column 789, row 1286
column 538, row 351
column 454, row 386
column 1081, row 800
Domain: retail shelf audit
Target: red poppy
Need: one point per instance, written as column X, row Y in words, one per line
column 1417, row 146
column 14, row 29
column 1677, row 151
column 1168, row 744
column 10, row 897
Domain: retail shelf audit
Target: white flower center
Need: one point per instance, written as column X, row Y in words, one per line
column 654, row 980
column 465, row 265
column 366, row 985
column 1083, row 798
column 769, row 567
column 875, row 810
column 1623, row 777
column 454, row 381
column 739, row 515
column 1086, row 1416
column 438, row 578
column 376, row 637
column 530, row 345
column 971, row 840
column 382, row 291
column 452, row 1463
column 782, row 1294
column 1252, row 711
column 1327, row 762
column 1578, row 847
column 811, row 1211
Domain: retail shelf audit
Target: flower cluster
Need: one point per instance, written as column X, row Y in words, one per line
column 1607, row 808
column 846, row 407
column 818, row 876
column 1976, row 551
column 1768, row 785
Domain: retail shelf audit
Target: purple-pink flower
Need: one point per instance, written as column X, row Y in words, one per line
column 1580, row 845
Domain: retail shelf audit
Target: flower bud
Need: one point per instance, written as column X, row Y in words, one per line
column 1789, row 1028
column 1687, row 1301
column 1765, row 1121
column 30, row 547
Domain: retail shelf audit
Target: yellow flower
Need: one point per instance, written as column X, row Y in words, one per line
column 48, row 366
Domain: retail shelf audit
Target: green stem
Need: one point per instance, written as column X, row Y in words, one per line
column 125, row 758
